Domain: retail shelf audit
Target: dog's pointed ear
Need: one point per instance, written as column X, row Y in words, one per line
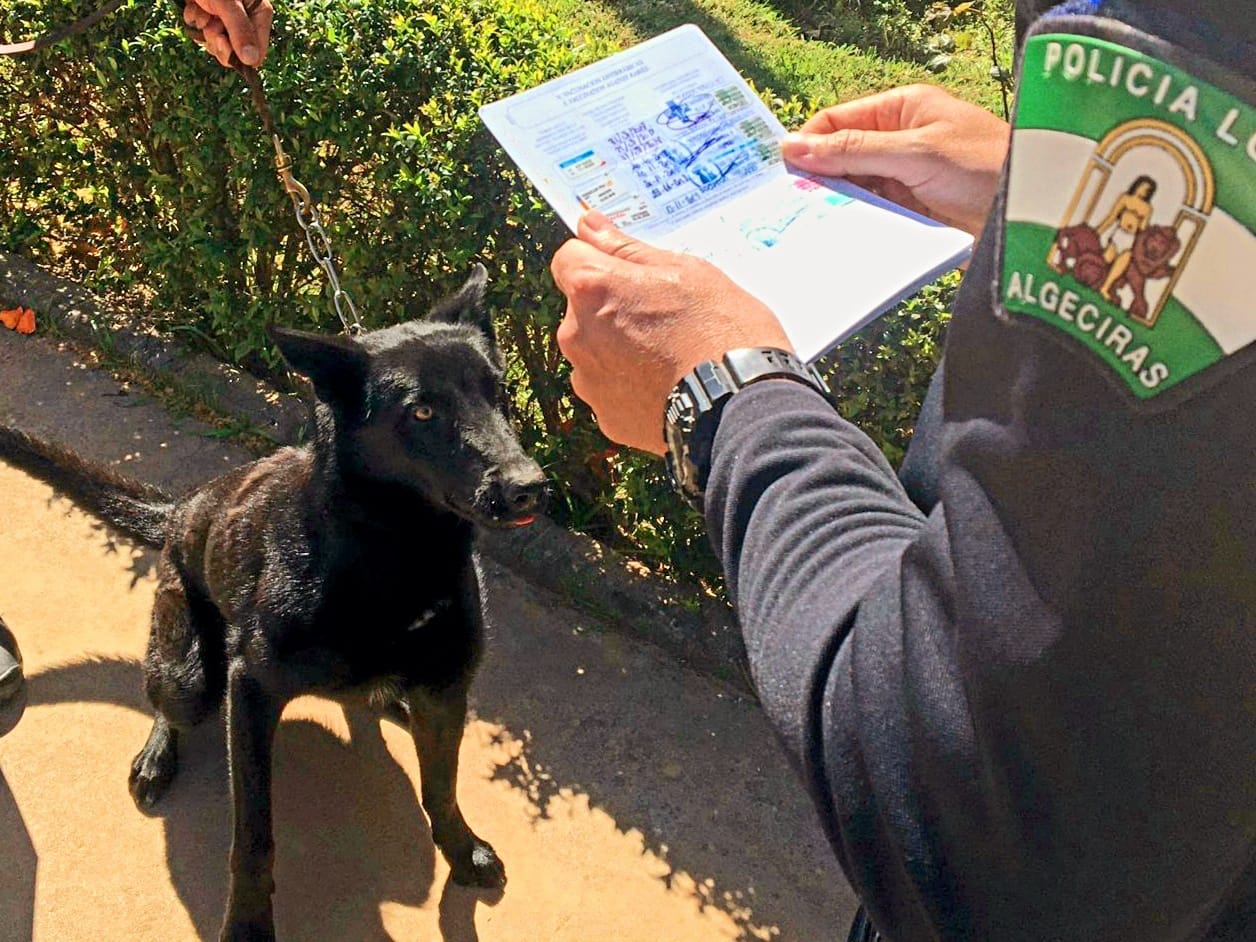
column 466, row 306
column 336, row 365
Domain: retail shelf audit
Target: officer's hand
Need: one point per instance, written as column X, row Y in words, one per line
column 227, row 26
column 917, row 145
column 639, row 318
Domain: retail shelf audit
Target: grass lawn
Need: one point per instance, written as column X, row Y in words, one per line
column 771, row 44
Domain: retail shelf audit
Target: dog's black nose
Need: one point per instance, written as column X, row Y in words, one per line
column 523, row 497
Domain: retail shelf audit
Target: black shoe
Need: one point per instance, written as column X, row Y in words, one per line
column 861, row 929
column 10, row 665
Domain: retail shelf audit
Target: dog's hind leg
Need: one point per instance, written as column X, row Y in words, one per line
column 436, row 722
column 182, row 683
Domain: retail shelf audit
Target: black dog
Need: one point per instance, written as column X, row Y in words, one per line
column 340, row 567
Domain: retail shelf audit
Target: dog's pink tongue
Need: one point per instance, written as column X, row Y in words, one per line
column 522, row 521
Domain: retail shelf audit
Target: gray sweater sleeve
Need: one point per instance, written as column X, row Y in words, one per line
column 844, row 591
column 806, row 515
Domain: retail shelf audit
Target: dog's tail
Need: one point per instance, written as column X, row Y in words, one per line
column 137, row 509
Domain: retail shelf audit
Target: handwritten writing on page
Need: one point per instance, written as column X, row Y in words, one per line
column 671, row 143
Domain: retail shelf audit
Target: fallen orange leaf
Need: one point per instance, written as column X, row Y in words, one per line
column 26, row 324
column 10, row 318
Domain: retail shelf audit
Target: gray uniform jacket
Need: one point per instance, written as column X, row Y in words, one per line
column 1020, row 681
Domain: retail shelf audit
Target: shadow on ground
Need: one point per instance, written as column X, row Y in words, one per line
column 340, row 808
column 350, row 809
column 686, row 764
column 17, row 869
column 690, row 765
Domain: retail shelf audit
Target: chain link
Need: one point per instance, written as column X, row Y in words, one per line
column 317, row 239
column 306, row 212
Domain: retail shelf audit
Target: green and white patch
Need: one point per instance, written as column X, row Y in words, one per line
column 1130, row 220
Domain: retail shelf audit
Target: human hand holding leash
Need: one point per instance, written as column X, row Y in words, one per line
column 639, row 318
column 917, row 145
column 226, row 27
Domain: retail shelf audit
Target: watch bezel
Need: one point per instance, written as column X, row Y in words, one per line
column 696, row 399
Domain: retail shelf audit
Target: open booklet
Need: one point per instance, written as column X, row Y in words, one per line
column 670, row 142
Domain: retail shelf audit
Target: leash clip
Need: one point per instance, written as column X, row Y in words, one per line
column 292, row 186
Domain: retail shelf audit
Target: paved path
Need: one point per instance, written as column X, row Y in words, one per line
column 630, row 800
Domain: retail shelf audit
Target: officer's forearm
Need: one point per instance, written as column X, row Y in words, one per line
column 805, row 514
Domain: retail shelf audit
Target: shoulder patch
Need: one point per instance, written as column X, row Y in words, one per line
column 1130, row 215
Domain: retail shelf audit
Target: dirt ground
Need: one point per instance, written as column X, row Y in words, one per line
column 629, row 799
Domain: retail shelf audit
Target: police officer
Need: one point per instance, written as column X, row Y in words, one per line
column 1018, row 680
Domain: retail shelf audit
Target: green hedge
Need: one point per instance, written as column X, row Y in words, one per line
column 135, row 163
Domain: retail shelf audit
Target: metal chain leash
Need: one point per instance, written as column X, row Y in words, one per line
column 316, row 238
column 307, row 214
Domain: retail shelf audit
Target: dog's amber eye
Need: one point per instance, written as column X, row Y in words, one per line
column 423, row 413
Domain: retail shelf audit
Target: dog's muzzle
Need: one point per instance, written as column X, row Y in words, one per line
column 514, row 501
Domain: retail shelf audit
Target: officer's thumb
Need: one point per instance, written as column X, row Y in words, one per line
column 605, row 236
column 853, row 152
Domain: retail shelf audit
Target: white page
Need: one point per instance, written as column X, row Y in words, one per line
column 671, row 143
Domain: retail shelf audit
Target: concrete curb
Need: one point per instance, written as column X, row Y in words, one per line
column 578, row 569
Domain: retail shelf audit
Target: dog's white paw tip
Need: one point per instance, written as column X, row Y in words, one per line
column 484, row 870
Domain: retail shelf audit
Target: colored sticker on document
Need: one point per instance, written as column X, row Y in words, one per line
column 581, row 165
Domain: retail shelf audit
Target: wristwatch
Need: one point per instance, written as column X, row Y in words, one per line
column 694, row 407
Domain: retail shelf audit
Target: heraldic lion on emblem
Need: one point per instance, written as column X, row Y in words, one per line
column 1078, row 251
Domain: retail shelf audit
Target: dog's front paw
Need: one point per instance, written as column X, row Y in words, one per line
column 479, row 866
column 152, row 771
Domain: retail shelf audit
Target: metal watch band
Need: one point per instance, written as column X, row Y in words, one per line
column 751, row 364
column 698, row 399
